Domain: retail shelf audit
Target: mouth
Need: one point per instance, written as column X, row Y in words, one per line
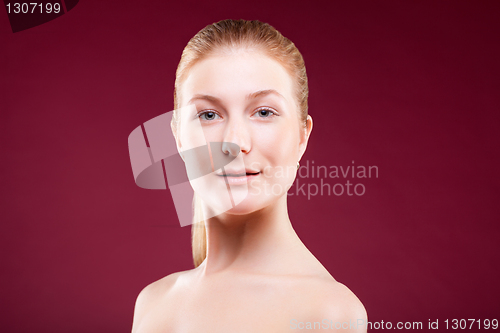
column 238, row 178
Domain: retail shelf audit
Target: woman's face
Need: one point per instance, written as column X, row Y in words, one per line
column 246, row 98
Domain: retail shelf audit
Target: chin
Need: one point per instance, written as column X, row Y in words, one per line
column 243, row 200
column 252, row 204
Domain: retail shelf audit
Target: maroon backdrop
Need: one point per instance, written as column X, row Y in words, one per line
column 411, row 87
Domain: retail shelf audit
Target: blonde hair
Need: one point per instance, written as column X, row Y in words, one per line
column 231, row 35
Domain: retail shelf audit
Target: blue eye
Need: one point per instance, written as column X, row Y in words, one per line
column 265, row 113
column 208, row 115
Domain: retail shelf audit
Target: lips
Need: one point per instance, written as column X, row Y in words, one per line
column 235, row 177
column 236, row 173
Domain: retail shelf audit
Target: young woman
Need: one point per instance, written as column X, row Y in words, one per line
column 247, row 85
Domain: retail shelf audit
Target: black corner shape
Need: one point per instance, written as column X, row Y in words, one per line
column 24, row 14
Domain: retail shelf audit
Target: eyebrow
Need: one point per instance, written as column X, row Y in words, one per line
column 249, row 96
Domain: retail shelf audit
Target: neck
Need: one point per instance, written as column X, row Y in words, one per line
column 260, row 241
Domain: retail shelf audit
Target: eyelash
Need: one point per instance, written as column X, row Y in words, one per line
column 271, row 111
column 205, row 112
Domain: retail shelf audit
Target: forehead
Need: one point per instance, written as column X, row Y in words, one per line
column 232, row 76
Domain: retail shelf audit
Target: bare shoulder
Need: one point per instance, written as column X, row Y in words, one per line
column 332, row 305
column 152, row 295
column 341, row 306
column 156, row 289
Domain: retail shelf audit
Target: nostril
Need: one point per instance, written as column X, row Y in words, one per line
column 230, row 148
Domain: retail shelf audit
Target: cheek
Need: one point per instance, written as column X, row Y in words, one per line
column 213, row 133
column 279, row 145
column 278, row 148
column 191, row 135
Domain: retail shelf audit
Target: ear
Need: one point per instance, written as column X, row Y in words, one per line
column 175, row 132
column 305, row 132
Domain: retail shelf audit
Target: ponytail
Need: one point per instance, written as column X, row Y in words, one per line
column 198, row 233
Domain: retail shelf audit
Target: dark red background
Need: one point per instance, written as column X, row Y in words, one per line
column 409, row 86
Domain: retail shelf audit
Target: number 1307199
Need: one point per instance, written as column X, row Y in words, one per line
column 471, row 324
column 33, row 8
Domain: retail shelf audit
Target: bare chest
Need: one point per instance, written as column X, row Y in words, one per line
column 226, row 307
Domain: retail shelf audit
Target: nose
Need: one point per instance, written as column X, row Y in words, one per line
column 236, row 138
column 229, row 148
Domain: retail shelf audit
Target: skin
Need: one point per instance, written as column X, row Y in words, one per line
column 258, row 275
